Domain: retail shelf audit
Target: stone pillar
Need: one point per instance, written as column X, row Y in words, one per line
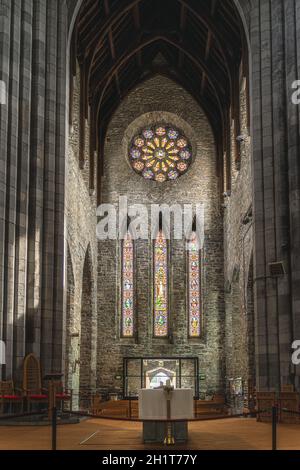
column 61, row 116
column 5, row 25
column 36, row 199
column 273, row 141
column 16, row 19
column 32, row 153
column 291, row 18
column 22, row 182
column 53, row 216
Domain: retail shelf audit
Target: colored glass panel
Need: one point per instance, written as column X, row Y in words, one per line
column 194, row 300
column 127, row 288
column 160, row 286
column 160, row 153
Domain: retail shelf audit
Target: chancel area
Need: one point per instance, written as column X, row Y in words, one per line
column 124, row 125
column 159, row 298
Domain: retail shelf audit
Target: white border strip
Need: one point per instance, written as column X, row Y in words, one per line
column 88, row 438
column 2, row 92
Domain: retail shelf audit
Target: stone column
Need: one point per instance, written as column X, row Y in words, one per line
column 291, row 18
column 36, row 171
column 275, row 148
column 33, row 52
column 5, row 42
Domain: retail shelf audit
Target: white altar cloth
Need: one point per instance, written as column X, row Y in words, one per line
column 153, row 404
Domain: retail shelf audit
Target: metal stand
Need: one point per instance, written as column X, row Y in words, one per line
column 54, row 428
column 169, row 439
column 274, row 427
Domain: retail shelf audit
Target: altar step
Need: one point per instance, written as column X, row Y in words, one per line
column 125, row 409
column 116, row 409
column 210, row 408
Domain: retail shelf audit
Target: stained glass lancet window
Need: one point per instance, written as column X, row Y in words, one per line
column 160, row 153
column 127, row 287
column 160, row 286
column 194, row 292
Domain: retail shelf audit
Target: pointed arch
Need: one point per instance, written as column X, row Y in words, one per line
column 85, row 372
column 194, row 301
column 250, row 324
column 161, row 321
column 70, row 307
column 128, row 285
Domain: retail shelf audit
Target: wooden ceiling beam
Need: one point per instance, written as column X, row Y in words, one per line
column 118, row 86
column 183, row 15
column 205, row 19
column 203, row 82
column 137, row 25
column 173, row 75
column 213, row 7
column 89, row 13
column 138, row 43
column 109, row 22
column 111, row 45
column 88, row 40
column 102, row 120
column 112, row 49
column 137, row 17
column 106, row 7
column 220, row 97
column 208, row 45
column 183, row 18
column 211, row 78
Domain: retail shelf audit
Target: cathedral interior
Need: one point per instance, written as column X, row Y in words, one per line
column 174, row 102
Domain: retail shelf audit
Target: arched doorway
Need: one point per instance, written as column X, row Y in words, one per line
column 160, row 376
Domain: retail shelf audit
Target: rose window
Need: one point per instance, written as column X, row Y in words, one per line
column 160, row 153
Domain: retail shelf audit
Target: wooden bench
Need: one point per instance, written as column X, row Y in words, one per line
column 265, row 402
column 216, row 406
column 114, row 408
column 285, row 400
column 289, row 401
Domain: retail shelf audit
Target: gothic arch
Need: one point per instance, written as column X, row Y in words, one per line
column 86, row 346
column 276, row 216
column 219, row 79
column 70, row 307
column 250, row 323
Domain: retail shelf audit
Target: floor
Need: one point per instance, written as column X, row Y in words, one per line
column 235, row 434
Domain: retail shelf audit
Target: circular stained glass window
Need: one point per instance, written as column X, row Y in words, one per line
column 160, row 153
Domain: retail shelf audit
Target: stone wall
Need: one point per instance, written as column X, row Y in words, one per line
column 161, row 100
column 33, row 56
column 238, row 251
column 82, row 245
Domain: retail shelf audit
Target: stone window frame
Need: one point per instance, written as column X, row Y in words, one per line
column 201, row 289
column 169, row 275
column 162, row 117
column 134, row 337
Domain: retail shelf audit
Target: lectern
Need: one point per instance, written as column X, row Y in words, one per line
column 153, row 411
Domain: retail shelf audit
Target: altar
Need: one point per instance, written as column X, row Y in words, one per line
column 158, row 416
